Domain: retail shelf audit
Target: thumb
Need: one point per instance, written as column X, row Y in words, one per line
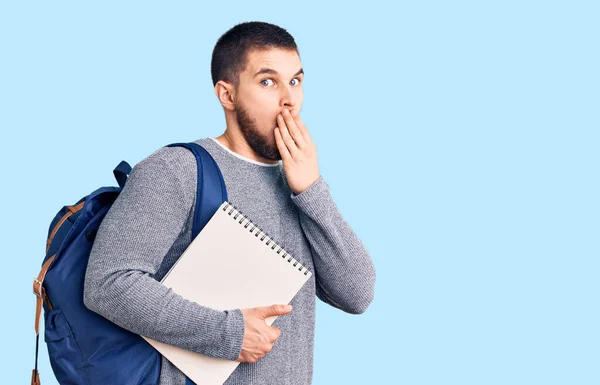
column 269, row 311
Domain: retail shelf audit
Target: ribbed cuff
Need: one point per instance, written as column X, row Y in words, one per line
column 315, row 200
column 233, row 334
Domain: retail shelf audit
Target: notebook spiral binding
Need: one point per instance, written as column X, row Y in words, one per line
column 265, row 235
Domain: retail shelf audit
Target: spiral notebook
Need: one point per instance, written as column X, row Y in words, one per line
column 231, row 264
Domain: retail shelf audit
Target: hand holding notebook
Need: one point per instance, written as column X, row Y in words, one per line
column 258, row 336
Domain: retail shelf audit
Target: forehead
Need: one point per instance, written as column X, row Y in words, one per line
column 283, row 61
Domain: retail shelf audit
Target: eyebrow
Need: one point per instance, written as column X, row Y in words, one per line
column 273, row 72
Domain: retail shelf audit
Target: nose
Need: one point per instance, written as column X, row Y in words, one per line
column 288, row 99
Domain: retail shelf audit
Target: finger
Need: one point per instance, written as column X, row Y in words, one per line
column 295, row 132
column 283, row 151
column 276, row 334
column 276, row 310
column 287, row 137
column 302, row 128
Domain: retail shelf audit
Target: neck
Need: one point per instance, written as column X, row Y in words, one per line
column 234, row 140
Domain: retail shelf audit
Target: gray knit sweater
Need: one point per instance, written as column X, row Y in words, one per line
column 150, row 225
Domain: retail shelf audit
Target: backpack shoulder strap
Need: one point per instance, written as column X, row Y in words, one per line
column 121, row 172
column 211, row 191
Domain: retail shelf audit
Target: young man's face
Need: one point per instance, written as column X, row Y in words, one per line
column 262, row 95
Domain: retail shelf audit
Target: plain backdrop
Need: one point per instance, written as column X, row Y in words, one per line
column 460, row 141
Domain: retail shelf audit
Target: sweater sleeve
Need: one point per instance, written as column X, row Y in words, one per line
column 344, row 271
column 132, row 240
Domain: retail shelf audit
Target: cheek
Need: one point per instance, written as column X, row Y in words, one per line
column 265, row 108
column 268, row 118
column 259, row 114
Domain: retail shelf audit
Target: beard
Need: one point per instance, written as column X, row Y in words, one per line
column 264, row 145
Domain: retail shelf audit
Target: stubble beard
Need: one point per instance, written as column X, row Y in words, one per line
column 263, row 145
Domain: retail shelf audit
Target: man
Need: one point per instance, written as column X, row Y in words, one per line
column 258, row 76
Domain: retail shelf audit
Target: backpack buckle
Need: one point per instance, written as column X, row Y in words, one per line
column 38, row 290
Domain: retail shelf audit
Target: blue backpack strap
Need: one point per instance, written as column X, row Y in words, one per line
column 211, row 191
column 121, row 171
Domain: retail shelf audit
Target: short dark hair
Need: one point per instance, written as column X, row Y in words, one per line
column 230, row 55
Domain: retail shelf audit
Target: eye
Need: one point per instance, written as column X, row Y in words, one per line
column 264, row 80
column 266, row 85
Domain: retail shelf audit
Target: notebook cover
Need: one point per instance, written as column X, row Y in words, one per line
column 228, row 267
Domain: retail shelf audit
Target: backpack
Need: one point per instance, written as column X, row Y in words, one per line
column 83, row 346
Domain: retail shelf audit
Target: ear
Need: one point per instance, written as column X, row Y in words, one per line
column 226, row 94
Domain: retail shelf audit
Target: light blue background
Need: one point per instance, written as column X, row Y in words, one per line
column 460, row 141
